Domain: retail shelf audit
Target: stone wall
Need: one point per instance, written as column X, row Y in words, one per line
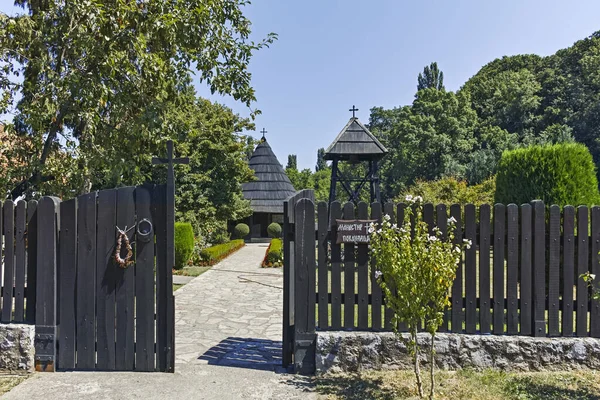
column 17, row 349
column 356, row 351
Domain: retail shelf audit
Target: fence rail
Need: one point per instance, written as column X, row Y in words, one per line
column 521, row 276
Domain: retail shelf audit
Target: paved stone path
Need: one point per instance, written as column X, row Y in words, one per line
column 228, row 344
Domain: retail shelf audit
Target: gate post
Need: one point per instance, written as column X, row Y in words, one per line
column 46, row 301
column 304, row 287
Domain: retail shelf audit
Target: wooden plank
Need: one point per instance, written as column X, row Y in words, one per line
column 20, row 261
column 428, row 216
column 336, row 269
column 125, row 279
column 512, row 269
column 484, row 268
column 46, row 272
column 67, row 283
column 554, row 271
column 162, row 276
column 582, row 268
column 349, row 272
column 144, row 287
column 376, row 297
column 32, row 236
column 287, row 346
column 323, row 268
column 595, row 268
column 457, row 286
column 526, row 271
column 389, row 313
column 539, row 269
column 86, row 281
column 304, row 346
column 568, row 276
column 9, row 260
column 363, row 274
column 106, row 279
column 471, row 269
column 498, row 282
column 442, row 224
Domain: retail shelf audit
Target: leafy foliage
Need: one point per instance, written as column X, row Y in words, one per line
column 415, row 271
column 241, row 231
column 321, row 163
column 292, row 162
column 209, row 187
column 432, row 77
column 557, row 174
column 91, row 84
column 452, row 191
column 184, row 244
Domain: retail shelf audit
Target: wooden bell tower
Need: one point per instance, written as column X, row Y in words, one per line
column 355, row 145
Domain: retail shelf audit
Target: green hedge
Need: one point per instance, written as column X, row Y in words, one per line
column 214, row 254
column 184, row 243
column 562, row 174
column 274, row 254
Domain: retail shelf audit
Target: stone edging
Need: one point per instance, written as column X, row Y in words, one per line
column 356, row 351
column 17, row 351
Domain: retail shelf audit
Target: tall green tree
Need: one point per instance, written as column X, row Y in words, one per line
column 428, row 140
column 99, row 78
column 321, row 163
column 292, row 162
column 432, row 77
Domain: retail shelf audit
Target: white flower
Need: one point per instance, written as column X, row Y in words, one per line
column 378, row 274
column 451, row 220
column 418, row 199
column 457, row 250
column 409, row 198
column 371, row 228
column 394, row 226
column 386, row 217
column 403, row 230
column 468, row 243
column 432, row 238
column 593, row 276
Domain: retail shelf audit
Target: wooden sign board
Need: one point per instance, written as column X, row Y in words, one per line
column 353, row 231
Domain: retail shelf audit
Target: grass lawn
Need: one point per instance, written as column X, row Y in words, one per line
column 192, row 271
column 488, row 385
column 9, row 381
column 176, row 286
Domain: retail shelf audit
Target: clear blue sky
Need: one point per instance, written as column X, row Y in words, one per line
column 332, row 54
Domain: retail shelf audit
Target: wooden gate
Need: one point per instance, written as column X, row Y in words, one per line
column 112, row 317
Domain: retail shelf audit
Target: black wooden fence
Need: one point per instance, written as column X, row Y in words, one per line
column 18, row 262
column 521, row 276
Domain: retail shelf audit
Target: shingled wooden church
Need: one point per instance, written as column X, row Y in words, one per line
column 267, row 193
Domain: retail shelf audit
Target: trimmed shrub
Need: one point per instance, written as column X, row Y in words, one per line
column 562, row 174
column 274, row 230
column 214, row 254
column 241, row 231
column 184, row 243
column 274, row 254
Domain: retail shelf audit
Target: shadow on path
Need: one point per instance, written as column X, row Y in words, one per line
column 252, row 353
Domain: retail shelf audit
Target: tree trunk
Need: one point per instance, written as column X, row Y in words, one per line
column 432, row 365
column 416, row 361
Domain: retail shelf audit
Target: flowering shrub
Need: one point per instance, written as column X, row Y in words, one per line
column 415, row 271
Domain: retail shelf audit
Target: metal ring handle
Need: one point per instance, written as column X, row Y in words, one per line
column 145, row 230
